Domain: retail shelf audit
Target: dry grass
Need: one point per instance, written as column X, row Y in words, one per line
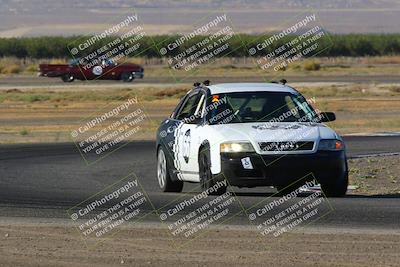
column 394, row 89
column 45, row 115
column 10, row 69
column 171, row 92
column 381, row 60
column 351, row 90
column 311, row 66
column 58, row 61
column 60, row 97
column 12, row 65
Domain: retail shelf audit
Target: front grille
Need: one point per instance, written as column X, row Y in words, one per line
column 286, row 146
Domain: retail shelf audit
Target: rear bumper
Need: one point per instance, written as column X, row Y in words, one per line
column 281, row 170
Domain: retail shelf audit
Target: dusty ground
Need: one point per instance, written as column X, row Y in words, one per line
column 34, row 245
column 375, row 175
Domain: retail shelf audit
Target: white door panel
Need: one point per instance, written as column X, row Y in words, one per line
column 186, row 152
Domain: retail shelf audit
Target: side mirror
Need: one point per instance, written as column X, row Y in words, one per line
column 327, row 116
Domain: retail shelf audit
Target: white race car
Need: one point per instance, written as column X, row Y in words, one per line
column 247, row 135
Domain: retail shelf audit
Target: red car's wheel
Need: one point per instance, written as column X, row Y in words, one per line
column 127, row 76
column 67, row 78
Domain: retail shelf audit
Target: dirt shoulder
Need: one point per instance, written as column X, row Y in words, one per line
column 375, row 175
column 33, row 245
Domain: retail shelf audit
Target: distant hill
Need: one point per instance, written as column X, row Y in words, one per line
column 56, row 17
column 338, row 4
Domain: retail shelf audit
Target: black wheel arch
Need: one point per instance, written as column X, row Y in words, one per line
column 204, row 145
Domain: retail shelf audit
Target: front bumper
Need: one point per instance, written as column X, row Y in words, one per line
column 281, row 170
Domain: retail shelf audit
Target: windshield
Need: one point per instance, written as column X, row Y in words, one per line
column 259, row 107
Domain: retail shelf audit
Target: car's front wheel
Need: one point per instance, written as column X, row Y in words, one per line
column 67, row 78
column 163, row 176
column 207, row 179
column 127, row 76
column 337, row 188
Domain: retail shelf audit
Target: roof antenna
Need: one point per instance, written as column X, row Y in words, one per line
column 206, row 82
column 283, row 81
column 196, row 84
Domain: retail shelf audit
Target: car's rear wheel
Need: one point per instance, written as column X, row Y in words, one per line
column 163, row 176
column 206, row 177
column 67, row 78
column 127, row 76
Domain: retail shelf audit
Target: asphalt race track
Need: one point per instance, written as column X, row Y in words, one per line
column 45, row 180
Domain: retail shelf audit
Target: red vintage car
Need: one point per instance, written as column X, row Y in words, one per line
column 107, row 70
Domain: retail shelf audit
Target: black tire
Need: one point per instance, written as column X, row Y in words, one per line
column 67, row 78
column 206, row 177
column 127, row 77
column 163, row 175
column 336, row 189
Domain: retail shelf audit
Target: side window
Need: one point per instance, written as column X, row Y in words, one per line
column 304, row 108
column 178, row 107
column 189, row 107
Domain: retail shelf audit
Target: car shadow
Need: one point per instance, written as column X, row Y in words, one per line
column 396, row 195
column 249, row 194
column 266, row 194
column 305, row 194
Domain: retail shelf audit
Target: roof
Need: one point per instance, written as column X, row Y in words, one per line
column 249, row 87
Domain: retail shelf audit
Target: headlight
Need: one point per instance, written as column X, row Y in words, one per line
column 331, row 144
column 236, row 147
